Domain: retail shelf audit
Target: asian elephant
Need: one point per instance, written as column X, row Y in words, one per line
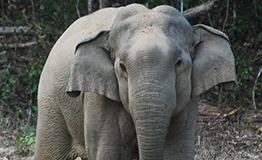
column 124, row 83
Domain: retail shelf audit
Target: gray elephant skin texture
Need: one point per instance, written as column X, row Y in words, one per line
column 123, row 83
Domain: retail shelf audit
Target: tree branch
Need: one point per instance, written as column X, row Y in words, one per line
column 226, row 16
column 77, row 10
column 18, row 45
column 198, row 10
column 11, row 30
column 90, row 6
column 254, row 88
column 103, row 3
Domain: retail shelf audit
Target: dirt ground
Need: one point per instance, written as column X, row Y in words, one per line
column 228, row 134
column 221, row 134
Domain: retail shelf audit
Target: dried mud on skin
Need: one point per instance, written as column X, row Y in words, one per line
column 218, row 136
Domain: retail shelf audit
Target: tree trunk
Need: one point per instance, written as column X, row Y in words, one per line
column 90, row 6
column 103, row 3
column 198, row 10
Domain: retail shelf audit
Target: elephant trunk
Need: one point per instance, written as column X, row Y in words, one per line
column 151, row 111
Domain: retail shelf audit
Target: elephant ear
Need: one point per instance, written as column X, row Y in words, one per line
column 213, row 60
column 92, row 69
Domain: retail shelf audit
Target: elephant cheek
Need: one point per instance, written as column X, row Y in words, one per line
column 123, row 93
column 124, row 97
column 183, row 93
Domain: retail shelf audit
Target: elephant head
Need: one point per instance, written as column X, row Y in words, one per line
column 153, row 62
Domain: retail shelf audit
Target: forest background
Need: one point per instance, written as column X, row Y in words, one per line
column 29, row 29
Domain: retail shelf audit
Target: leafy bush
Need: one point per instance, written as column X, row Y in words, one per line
column 244, row 32
column 21, row 66
column 26, row 143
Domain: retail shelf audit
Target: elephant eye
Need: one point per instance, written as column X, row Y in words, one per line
column 178, row 62
column 122, row 66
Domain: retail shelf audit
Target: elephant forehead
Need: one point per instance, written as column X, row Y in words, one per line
column 142, row 20
column 144, row 25
column 152, row 49
column 138, row 15
column 160, row 20
column 130, row 10
column 152, row 43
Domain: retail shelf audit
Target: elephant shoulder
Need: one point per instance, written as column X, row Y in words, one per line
column 90, row 25
column 61, row 56
column 62, row 53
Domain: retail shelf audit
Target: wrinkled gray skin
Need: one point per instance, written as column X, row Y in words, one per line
column 124, row 82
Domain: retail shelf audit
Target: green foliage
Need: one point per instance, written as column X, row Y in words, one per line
column 154, row 3
column 59, row 13
column 13, row 84
column 5, row 122
column 237, row 29
column 244, row 68
column 249, row 124
column 21, row 68
column 26, row 143
column 7, row 143
column 186, row 4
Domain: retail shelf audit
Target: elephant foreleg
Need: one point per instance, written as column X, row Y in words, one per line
column 53, row 140
column 102, row 131
column 180, row 140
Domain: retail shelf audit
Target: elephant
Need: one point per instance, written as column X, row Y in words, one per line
column 124, row 83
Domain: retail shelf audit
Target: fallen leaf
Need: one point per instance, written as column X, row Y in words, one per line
column 232, row 112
